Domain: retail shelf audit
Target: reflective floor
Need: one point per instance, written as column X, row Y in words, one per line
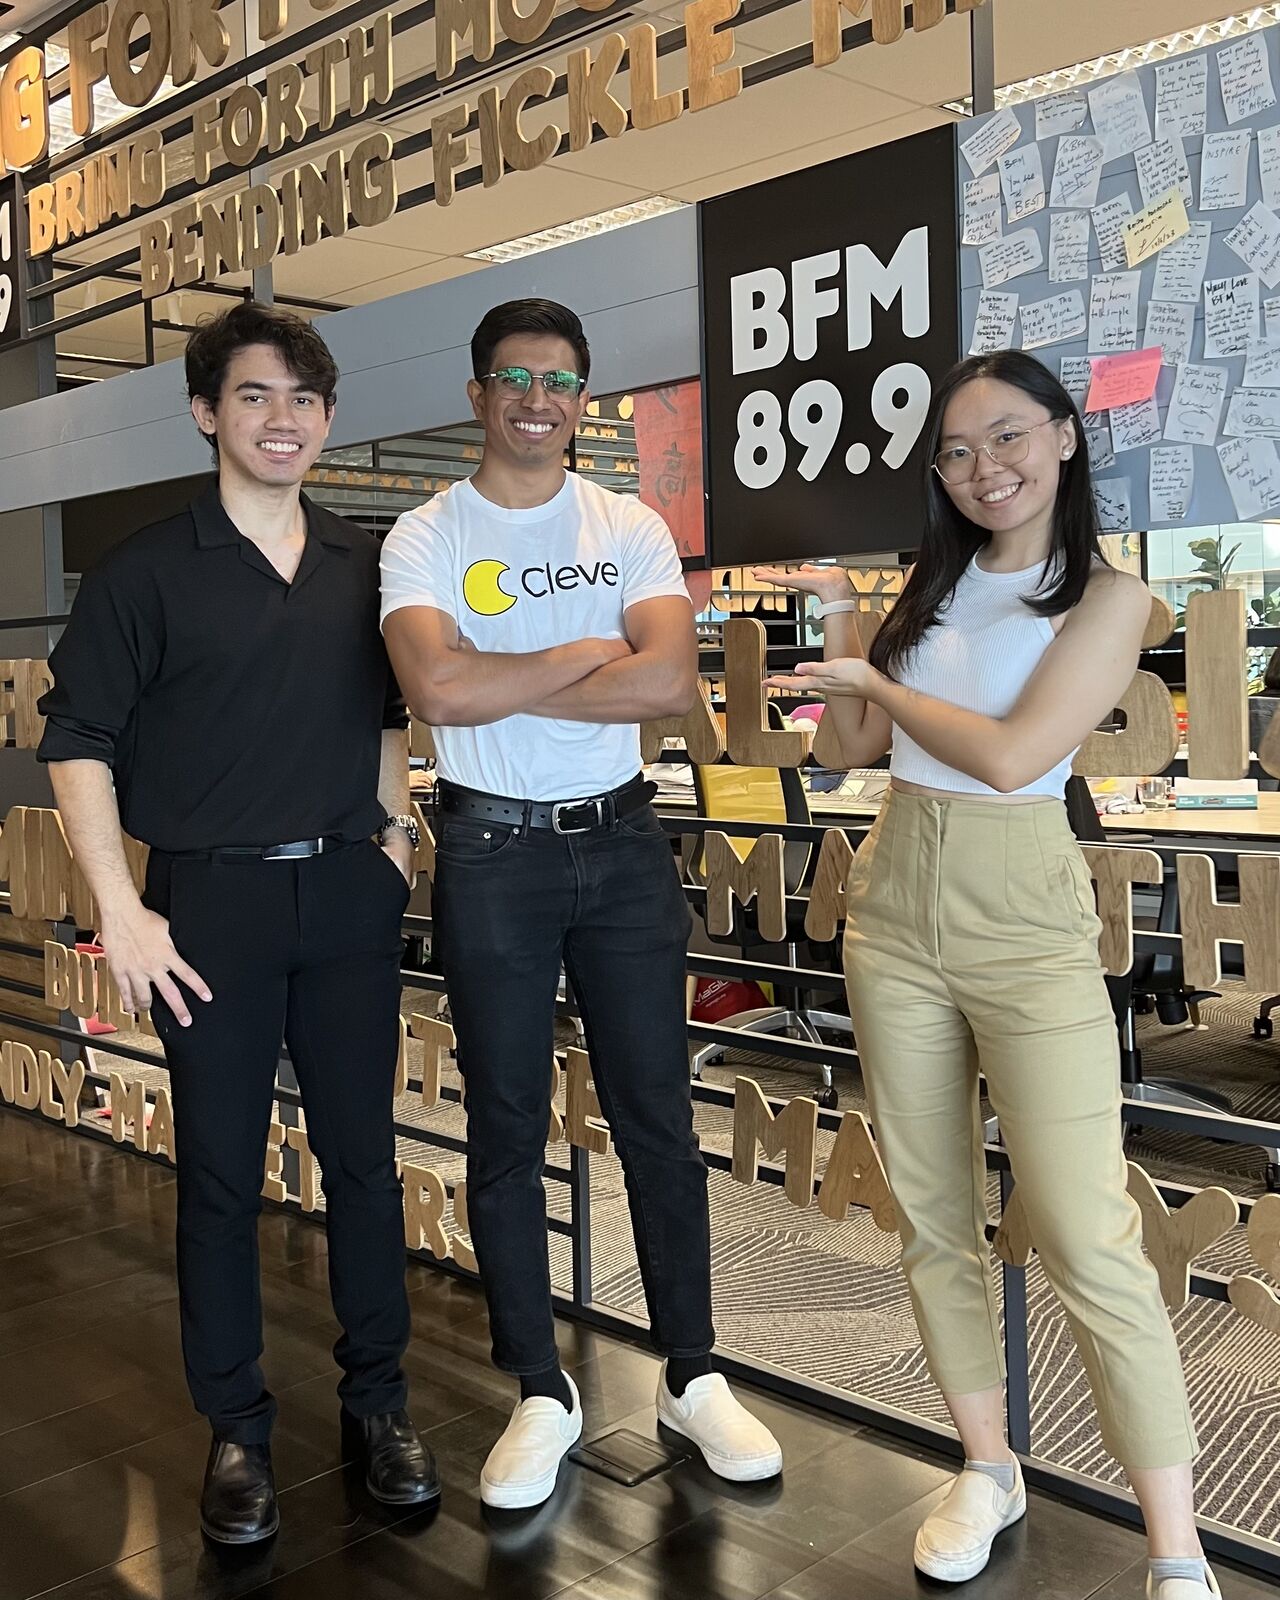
column 101, row 1457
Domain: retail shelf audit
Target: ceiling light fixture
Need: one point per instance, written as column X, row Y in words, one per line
column 106, row 108
column 657, row 205
column 1085, row 73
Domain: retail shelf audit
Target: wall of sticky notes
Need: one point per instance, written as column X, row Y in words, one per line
column 1137, row 213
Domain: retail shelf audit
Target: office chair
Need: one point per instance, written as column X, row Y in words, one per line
column 764, row 794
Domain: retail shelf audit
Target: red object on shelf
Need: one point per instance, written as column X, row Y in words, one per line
column 91, row 1024
column 718, row 998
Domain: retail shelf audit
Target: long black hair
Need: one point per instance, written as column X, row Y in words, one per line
column 950, row 540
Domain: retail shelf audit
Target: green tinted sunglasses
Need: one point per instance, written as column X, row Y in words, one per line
column 515, row 382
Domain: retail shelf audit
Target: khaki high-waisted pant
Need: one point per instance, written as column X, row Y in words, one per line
column 971, row 942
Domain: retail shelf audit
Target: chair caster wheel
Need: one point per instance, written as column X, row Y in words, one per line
column 1263, row 1028
column 828, row 1099
column 1273, row 1177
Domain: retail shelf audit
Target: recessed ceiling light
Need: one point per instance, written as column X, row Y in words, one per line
column 657, row 205
column 1084, row 73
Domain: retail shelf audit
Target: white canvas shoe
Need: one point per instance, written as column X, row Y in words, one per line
column 522, row 1466
column 954, row 1541
column 733, row 1443
column 1183, row 1588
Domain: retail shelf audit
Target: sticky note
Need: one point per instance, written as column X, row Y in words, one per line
column 1155, row 227
column 1125, row 379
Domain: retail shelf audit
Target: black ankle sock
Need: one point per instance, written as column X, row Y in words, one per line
column 552, row 1384
column 682, row 1370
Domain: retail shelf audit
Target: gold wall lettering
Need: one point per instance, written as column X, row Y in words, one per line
column 855, row 1176
column 826, row 909
column 792, row 1133
column 757, row 876
column 584, row 1123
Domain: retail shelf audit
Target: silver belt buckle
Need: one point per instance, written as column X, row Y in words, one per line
column 572, row 805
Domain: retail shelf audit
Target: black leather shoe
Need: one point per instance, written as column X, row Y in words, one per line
column 399, row 1469
column 238, row 1502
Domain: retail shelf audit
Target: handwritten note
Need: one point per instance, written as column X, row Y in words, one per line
column 993, row 323
column 1123, row 380
column 1256, row 240
column 991, row 141
column 1230, row 315
column 1076, row 374
column 1077, row 170
column 982, row 210
column 1182, row 96
column 1271, row 314
column 1120, row 115
column 1269, row 166
column 1155, row 228
column 1252, row 470
column 1172, row 482
column 1113, row 498
column 1262, row 364
column 1109, row 222
column 1245, row 76
column 1224, row 171
column 1051, row 321
column 1170, row 326
column 1253, row 414
column 1163, row 166
column 1136, row 426
column 1113, row 312
column 1061, row 113
column 1196, row 405
column 1181, row 268
column 1022, row 179
column 1011, row 257
column 1069, row 247
column 1097, row 438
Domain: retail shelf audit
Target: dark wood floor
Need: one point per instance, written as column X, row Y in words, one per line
column 101, row 1454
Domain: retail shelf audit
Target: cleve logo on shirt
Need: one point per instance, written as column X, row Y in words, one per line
column 482, row 583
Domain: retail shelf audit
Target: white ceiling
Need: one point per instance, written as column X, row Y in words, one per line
column 874, row 94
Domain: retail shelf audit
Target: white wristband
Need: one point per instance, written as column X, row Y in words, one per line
column 827, row 607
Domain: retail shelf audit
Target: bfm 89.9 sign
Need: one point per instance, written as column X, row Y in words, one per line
column 829, row 304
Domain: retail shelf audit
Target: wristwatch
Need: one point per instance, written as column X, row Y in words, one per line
column 407, row 823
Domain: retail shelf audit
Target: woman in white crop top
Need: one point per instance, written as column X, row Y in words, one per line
column 971, row 943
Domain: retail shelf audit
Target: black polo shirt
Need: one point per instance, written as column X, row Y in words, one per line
column 232, row 707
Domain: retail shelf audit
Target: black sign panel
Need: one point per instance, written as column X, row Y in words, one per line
column 829, row 311
column 11, row 253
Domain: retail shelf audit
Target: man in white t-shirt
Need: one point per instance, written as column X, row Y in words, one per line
column 534, row 620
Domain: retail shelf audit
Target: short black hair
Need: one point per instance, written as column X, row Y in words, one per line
column 217, row 339
column 528, row 316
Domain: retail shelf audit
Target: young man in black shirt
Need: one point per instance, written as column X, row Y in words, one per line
column 222, row 693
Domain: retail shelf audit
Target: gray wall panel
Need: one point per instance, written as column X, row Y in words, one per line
column 405, row 362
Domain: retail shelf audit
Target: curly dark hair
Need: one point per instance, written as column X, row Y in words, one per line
column 527, row 316
column 217, row 339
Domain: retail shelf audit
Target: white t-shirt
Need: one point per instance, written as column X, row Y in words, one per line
column 520, row 581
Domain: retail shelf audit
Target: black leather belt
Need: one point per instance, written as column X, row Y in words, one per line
column 296, row 850
column 561, row 816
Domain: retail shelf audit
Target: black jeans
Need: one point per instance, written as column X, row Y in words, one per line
column 509, row 908
column 307, row 951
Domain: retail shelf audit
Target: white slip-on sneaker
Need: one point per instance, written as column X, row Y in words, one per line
column 733, row 1443
column 1183, row 1588
column 522, row 1466
column 954, row 1541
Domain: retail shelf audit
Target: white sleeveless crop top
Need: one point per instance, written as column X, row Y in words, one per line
column 979, row 656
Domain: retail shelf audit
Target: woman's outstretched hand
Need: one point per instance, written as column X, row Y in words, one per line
column 828, row 583
column 849, row 676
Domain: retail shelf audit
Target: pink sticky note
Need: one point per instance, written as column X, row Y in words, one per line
column 1123, row 380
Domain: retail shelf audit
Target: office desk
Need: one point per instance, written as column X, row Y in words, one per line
column 1262, row 825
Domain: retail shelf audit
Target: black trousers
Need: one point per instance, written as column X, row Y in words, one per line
column 306, row 951
column 509, row 908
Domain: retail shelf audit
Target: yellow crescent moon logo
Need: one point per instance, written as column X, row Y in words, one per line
column 482, row 590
